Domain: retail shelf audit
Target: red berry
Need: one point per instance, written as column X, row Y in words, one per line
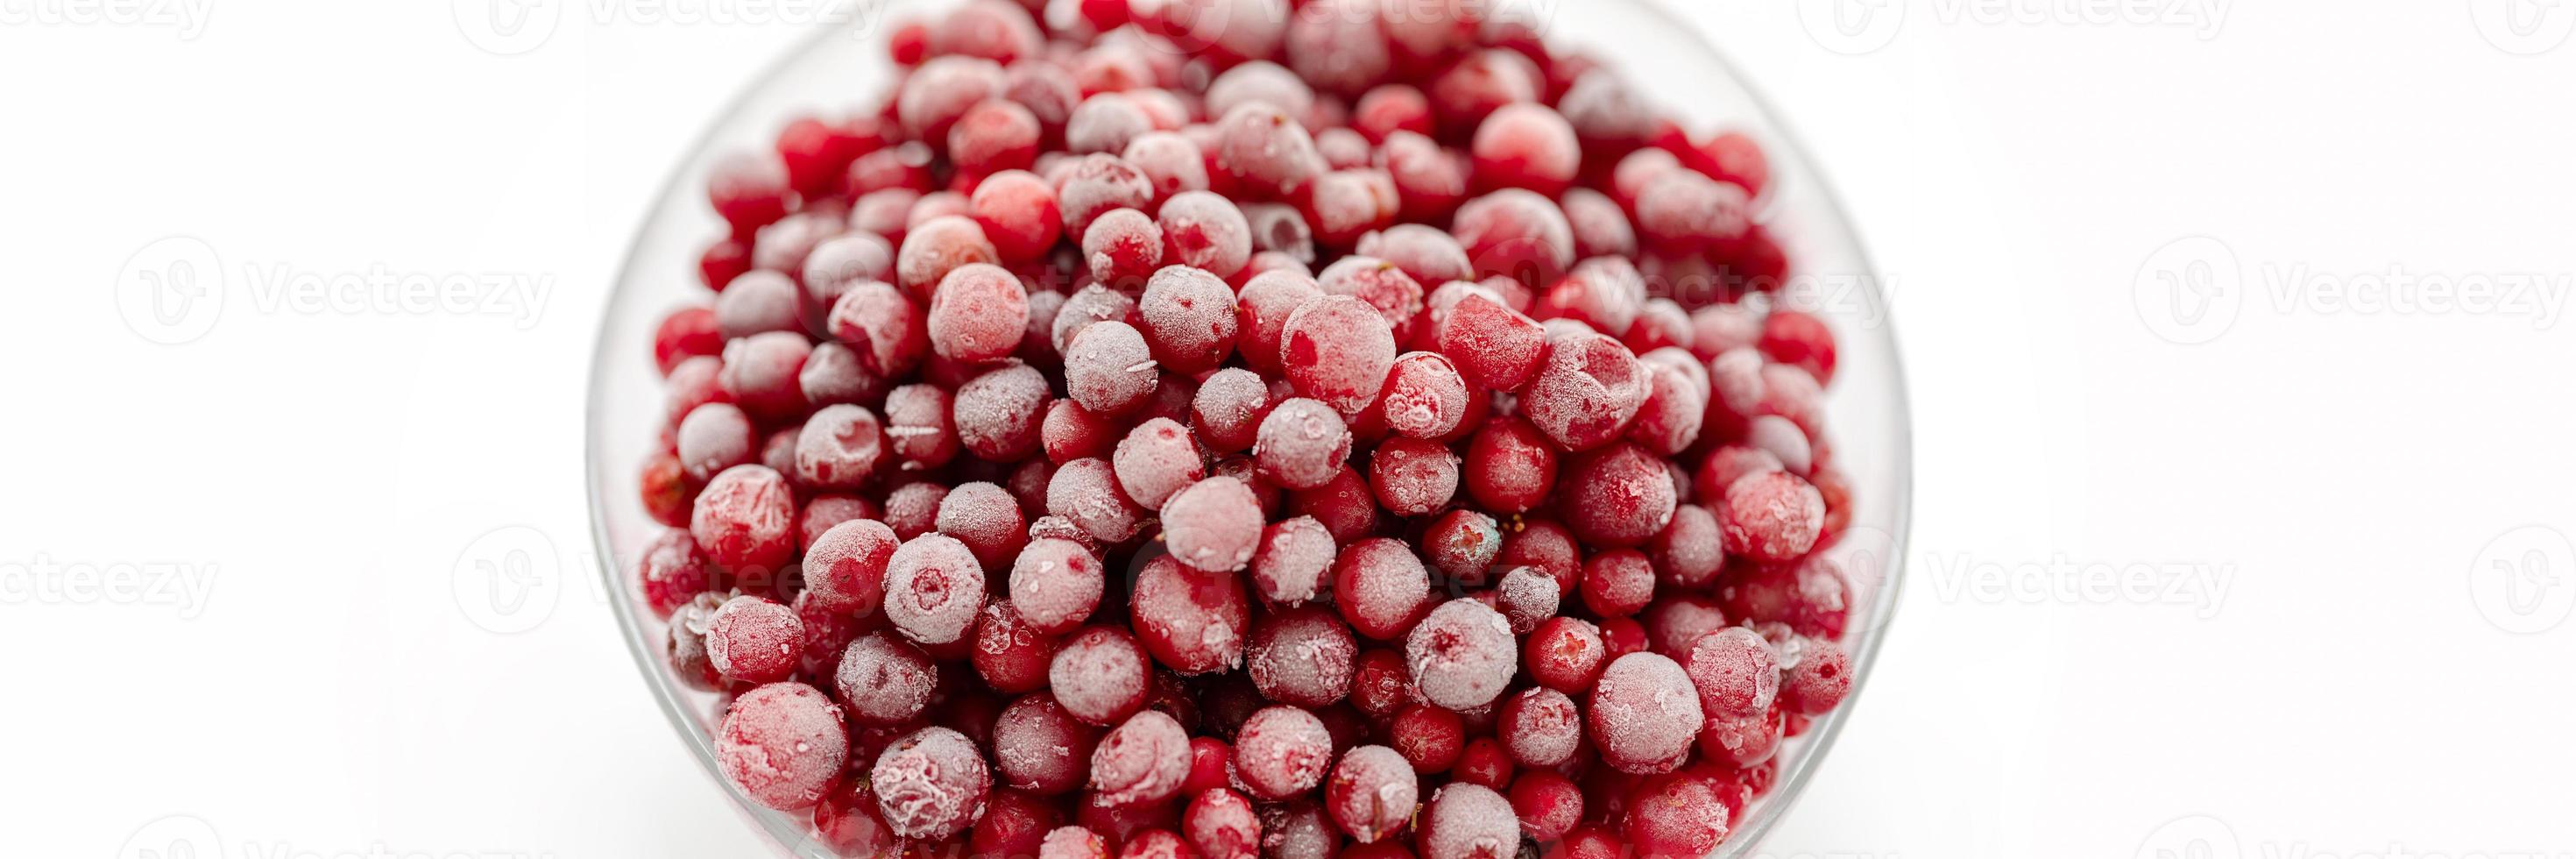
column 1644, row 714
column 1461, row 655
column 1371, row 793
column 1337, row 349
column 1469, row 821
column 1736, row 672
column 1564, row 654
column 1192, row 621
column 782, row 745
column 884, row 680
column 1380, row 587
column 1143, row 760
column 933, row 589
column 930, row 784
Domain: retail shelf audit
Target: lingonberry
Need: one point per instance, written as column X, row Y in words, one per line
column 1644, row 714
column 1461, row 544
column 1412, row 477
column 1192, row 621
column 1484, row 762
column 1188, row 315
column 1380, row 587
column 1564, row 654
column 1549, row 804
column 1371, row 793
column 1469, row 821
column 933, row 588
column 997, row 413
column 931, row 784
column 1429, row 737
column 1144, row 760
column 1461, row 655
column 782, row 745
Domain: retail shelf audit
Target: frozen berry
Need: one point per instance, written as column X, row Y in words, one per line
column 930, row 784
column 1214, row 525
column 884, row 680
column 1282, row 752
column 1461, row 654
column 1144, row 760
column 1302, row 656
column 1371, row 793
column 1337, row 349
column 933, row 588
column 782, row 745
column 1190, row 620
column 1644, row 714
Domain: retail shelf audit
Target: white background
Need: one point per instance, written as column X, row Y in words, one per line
column 2344, row 469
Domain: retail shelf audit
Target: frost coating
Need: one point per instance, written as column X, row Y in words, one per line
column 1644, row 714
column 934, row 587
column 930, row 784
column 1144, row 760
column 782, row 745
column 1462, row 655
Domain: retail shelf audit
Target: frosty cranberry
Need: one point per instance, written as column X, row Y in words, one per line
column 1018, row 213
column 1343, row 504
column 1412, row 477
column 1742, row 741
column 1260, row 81
column 1819, row 681
column 748, row 191
column 760, row 374
column 1586, row 392
column 882, row 327
column 714, row 437
column 1644, row 714
column 887, row 183
column 1096, row 184
column 1390, row 108
column 1040, row 747
column 1526, row 596
column 1011, row 657
column 978, row 314
column 1281, row 752
column 1461, row 544
column 930, row 784
column 1601, row 228
column 997, row 413
column 1618, row 496
column 933, row 588
column 1086, row 492
column 1690, row 550
column 1213, row 525
column 1301, row 444
column 1189, row 319
column 744, row 520
column 937, row 247
column 845, row 569
column 1157, row 459
column 1380, row 587
column 1430, row 182
column 1736, row 672
column 993, row 136
column 1469, row 821
column 1509, row 466
column 1205, row 231
column 1683, row 211
column 1617, row 583
column 1771, row 516
column 1099, row 675
column 1302, row 656
column 686, row 333
column 1105, row 122
column 1263, row 307
column 1190, row 620
column 1675, row 816
column 782, row 745
column 1222, row 825
column 1461, row 654
column 1800, row 340
column 1526, row 146
column 670, row 571
column 1337, row 349
column 1518, row 234
column 721, row 262
column 1290, row 565
column 1122, row 249
column 1143, row 760
column 986, row 519
column 884, row 680
column 1549, row 804
column 1339, row 45
column 1109, row 369
column 1343, row 205
column 913, row 508
column 1074, row 842
column 1424, row 397
column 942, row 90
column 1541, row 727
column 1056, row 584
column 1564, row 654
column 1170, row 160
column 1228, row 409
column 1264, row 150
column 1371, row 793
column 1014, row 824
column 839, row 448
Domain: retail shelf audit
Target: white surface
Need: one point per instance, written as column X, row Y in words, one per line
column 2341, row 470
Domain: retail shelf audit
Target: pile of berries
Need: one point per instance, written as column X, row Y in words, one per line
column 1233, row 428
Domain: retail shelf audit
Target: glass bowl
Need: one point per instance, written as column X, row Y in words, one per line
column 1866, row 405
